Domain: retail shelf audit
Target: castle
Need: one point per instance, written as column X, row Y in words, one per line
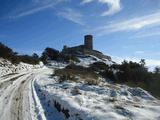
column 87, row 48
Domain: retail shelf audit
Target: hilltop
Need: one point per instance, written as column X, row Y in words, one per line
column 77, row 85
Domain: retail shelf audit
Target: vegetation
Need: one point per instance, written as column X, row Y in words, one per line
column 73, row 72
column 104, row 70
column 8, row 53
column 29, row 59
column 48, row 54
column 130, row 73
column 99, row 66
column 53, row 54
column 135, row 75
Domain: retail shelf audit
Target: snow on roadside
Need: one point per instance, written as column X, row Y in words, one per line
column 6, row 67
column 114, row 102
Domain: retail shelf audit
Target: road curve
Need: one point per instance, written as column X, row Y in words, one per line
column 18, row 99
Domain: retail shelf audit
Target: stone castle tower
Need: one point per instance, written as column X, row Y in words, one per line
column 86, row 48
column 88, row 42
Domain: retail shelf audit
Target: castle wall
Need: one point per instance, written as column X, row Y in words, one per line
column 74, row 49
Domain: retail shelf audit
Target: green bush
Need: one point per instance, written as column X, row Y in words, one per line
column 135, row 75
column 108, row 74
column 29, row 59
column 52, row 53
column 63, row 58
column 7, row 53
column 15, row 59
column 131, row 72
column 44, row 57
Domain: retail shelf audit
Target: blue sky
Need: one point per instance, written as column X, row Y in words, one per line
column 123, row 29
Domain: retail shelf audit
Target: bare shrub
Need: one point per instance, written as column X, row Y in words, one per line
column 63, row 110
column 72, row 72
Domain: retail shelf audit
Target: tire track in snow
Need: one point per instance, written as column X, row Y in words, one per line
column 6, row 92
column 10, row 81
column 40, row 114
column 17, row 101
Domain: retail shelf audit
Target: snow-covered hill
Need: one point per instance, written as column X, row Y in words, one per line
column 105, row 101
column 38, row 95
column 78, row 101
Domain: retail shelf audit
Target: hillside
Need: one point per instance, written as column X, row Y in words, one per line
column 44, row 94
column 77, row 96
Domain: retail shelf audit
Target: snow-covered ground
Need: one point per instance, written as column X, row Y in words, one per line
column 85, row 61
column 37, row 95
column 6, row 67
column 104, row 102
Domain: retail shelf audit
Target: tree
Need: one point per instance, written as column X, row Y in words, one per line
column 142, row 62
column 29, row 59
column 5, row 52
column 52, row 53
column 44, row 57
column 35, row 55
column 157, row 70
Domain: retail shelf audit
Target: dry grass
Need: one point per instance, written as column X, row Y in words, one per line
column 73, row 72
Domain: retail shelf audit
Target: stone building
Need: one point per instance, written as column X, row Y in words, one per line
column 88, row 45
column 87, row 48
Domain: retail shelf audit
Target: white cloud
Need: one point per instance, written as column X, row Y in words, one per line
column 86, row 1
column 41, row 5
column 130, row 25
column 32, row 11
column 113, row 5
column 72, row 15
column 143, row 35
column 139, row 52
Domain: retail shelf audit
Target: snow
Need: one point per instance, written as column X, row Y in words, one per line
column 100, row 102
column 6, row 67
column 55, row 64
column 33, row 93
column 89, row 59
